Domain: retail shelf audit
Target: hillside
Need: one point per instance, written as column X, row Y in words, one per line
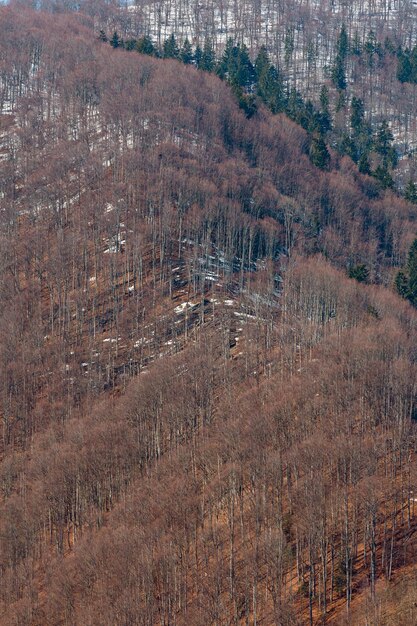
column 207, row 377
column 303, row 37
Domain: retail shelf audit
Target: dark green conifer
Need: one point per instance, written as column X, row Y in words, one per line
column 208, row 58
column 357, row 114
column 186, row 54
column 145, row 45
column 115, row 40
column 404, row 69
column 410, row 192
column 170, row 48
column 412, row 273
column 198, row 53
column 319, row 154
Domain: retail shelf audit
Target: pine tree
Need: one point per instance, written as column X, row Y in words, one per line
column 319, row 154
column 348, row 146
column 401, row 284
column 309, row 118
column 262, row 63
column 228, row 59
column 170, row 48
column 102, row 36
column 357, row 114
column 269, row 83
column 410, row 192
column 383, row 176
column 339, row 75
column 295, row 105
column 406, row 282
column 404, row 69
column 359, row 272
column 413, row 63
column 245, row 73
column 343, row 43
column 130, row 44
column 339, row 67
column 412, row 273
column 270, row 89
column 145, row 45
column 363, row 164
column 186, row 54
column 208, row 58
column 372, row 47
column 324, row 117
column 198, row 53
column 115, row 41
column 384, row 145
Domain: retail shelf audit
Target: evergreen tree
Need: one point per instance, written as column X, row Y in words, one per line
column 208, row 58
column 343, row 43
column 404, row 69
column 295, row 105
column 145, row 45
column 359, row 272
column 383, row 176
column 412, row 273
column 262, row 63
column 401, row 284
column 268, row 82
column 406, row 282
column 319, row 154
column 170, row 48
column 357, row 114
column 410, row 192
column 228, row 59
column 270, row 89
column 198, row 53
column 384, row 145
column 372, row 47
column 245, row 72
column 186, row 54
column 130, row 44
column 348, row 146
column 309, row 118
column 324, row 117
column 413, row 64
column 339, row 67
column 247, row 102
column 115, row 41
column 363, row 164
column 339, row 75
column 102, row 36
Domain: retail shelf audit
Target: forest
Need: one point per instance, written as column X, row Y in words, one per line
column 208, row 324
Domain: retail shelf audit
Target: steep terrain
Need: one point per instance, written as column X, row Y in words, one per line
column 204, row 419
column 302, row 38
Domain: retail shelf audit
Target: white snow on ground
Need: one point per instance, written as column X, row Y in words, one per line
column 183, row 307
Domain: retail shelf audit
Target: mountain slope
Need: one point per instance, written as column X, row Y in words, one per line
column 205, row 421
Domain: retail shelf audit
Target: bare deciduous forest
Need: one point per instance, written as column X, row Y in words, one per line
column 208, row 342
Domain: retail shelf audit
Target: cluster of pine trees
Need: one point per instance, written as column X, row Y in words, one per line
column 406, row 280
column 373, row 150
column 407, row 65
